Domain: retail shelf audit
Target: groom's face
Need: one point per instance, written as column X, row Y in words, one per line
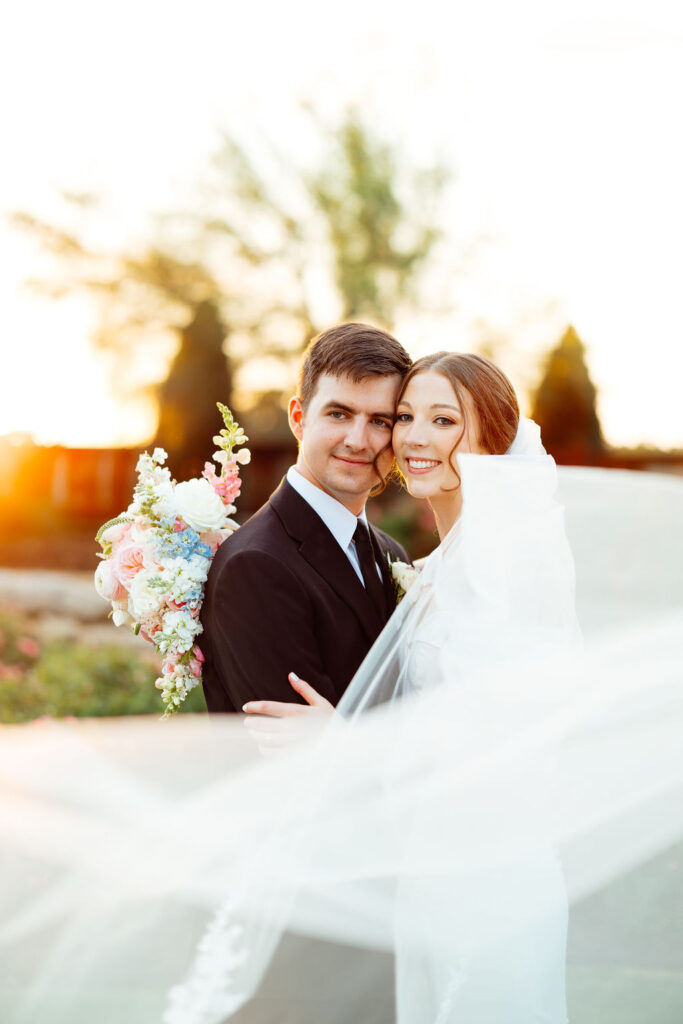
column 345, row 435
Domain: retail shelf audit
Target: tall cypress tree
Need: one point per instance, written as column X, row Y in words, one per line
column 564, row 404
column 199, row 376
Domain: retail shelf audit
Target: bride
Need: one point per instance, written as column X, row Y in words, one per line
column 483, row 770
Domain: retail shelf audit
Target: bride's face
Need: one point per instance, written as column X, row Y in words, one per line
column 430, row 429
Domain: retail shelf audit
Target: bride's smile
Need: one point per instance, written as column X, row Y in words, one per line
column 421, row 466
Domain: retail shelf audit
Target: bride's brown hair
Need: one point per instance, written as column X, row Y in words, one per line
column 493, row 397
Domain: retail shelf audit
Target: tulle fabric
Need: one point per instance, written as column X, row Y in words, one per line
column 155, row 871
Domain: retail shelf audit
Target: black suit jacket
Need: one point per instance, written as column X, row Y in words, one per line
column 283, row 597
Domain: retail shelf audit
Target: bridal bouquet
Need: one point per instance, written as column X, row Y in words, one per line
column 156, row 555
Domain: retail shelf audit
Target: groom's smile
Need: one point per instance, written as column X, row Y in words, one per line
column 352, row 462
column 345, row 435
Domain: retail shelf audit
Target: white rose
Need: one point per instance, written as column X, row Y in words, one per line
column 404, row 574
column 199, row 505
column 143, row 599
column 106, row 585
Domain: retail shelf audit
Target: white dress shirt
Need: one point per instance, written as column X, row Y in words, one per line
column 339, row 521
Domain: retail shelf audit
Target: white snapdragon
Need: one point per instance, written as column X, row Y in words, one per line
column 180, row 629
column 145, row 464
column 175, row 685
column 183, row 576
column 198, row 567
column 165, row 503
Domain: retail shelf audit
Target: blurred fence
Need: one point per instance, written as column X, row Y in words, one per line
column 52, row 499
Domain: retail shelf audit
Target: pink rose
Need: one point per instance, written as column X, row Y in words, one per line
column 128, row 561
column 28, row 646
column 214, row 539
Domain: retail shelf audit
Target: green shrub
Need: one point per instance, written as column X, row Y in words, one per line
column 61, row 678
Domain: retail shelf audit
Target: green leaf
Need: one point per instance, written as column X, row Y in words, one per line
column 111, row 522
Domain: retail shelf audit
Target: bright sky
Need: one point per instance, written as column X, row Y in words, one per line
column 561, row 120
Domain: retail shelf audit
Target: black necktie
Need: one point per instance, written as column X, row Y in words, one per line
column 368, row 566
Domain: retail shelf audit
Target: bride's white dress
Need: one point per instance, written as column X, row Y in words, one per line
column 515, row 773
column 505, row 925
column 485, row 942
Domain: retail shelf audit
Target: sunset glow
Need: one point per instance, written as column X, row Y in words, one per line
column 558, row 120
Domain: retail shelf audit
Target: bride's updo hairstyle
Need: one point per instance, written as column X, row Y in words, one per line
column 493, row 397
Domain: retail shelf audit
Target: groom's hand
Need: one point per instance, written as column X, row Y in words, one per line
column 281, row 709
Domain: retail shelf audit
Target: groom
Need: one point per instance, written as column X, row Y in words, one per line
column 304, row 586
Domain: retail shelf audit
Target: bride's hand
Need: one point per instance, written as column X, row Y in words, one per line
column 315, row 704
column 276, row 737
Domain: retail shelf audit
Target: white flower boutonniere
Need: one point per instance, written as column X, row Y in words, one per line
column 404, row 576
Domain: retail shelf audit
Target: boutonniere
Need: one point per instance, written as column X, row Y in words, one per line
column 403, row 575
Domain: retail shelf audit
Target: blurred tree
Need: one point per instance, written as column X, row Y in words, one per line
column 140, row 297
column 244, row 271
column 564, row 404
column 378, row 245
column 358, row 230
column 199, row 376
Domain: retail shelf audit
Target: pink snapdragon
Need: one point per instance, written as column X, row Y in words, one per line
column 170, row 662
column 227, row 486
column 148, row 627
column 196, row 662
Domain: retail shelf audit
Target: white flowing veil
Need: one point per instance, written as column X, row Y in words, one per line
column 152, row 869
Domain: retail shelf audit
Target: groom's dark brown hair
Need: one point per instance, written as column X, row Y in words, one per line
column 351, row 350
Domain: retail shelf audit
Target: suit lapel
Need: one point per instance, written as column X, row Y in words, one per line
column 323, row 553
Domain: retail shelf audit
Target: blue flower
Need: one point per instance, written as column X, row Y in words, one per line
column 181, row 545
